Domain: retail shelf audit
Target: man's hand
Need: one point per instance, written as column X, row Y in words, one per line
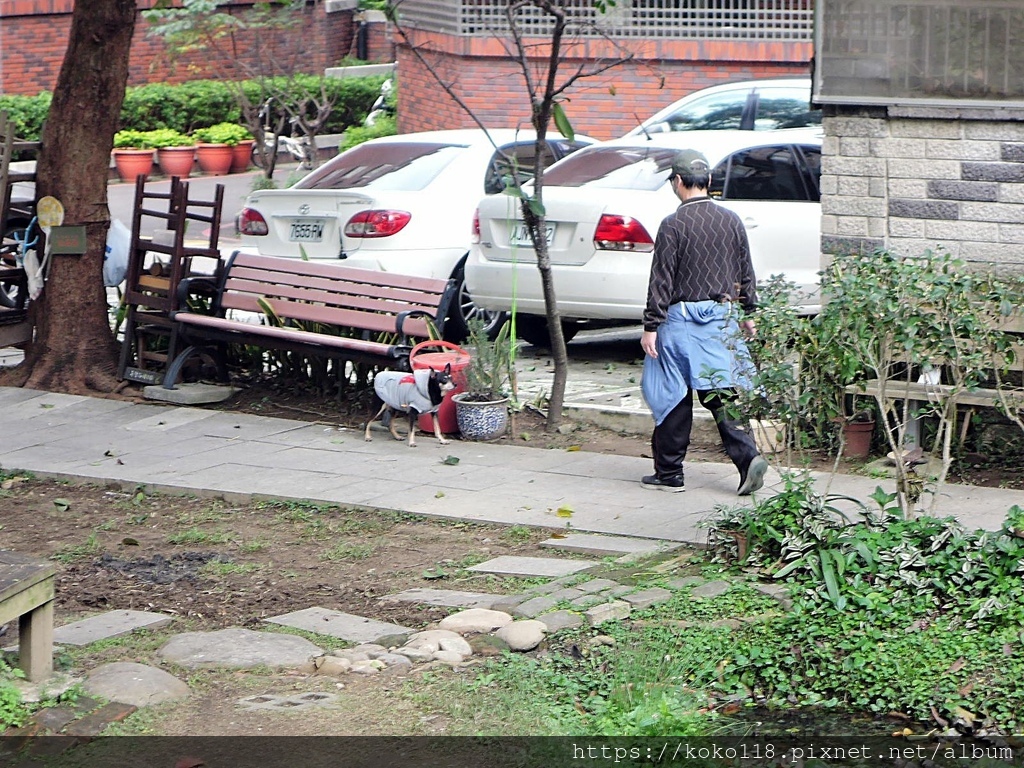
column 749, row 328
column 649, row 342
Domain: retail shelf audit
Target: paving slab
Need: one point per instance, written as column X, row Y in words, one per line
column 590, row 544
column 107, row 625
column 448, row 598
column 347, row 626
column 237, row 648
column 137, row 684
column 189, row 394
column 509, row 565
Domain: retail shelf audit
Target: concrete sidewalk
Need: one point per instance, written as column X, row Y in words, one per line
column 192, row 450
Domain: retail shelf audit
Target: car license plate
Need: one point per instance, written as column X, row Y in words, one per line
column 308, row 231
column 521, row 235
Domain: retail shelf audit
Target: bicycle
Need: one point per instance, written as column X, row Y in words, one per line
column 296, row 144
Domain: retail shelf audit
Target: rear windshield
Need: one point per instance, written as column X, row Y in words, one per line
column 645, row 168
column 388, row 165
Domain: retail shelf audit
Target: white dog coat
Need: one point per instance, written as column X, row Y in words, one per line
column 403, row 391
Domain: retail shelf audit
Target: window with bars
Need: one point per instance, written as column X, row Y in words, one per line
column 940, row 52
column 647, row 19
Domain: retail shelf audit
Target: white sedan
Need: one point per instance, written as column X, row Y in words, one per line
column 397, row 204
column 603, row 207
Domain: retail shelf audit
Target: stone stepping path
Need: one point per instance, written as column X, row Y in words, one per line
column 107, row 625
column 288, row 703
column 549, row 567
column 236, row 648
column 445, row 598
column 346, row 626
column 603, row 546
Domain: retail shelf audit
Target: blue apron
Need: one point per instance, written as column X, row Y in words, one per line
column 700, row 346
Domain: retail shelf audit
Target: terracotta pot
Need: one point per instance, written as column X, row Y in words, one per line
column 176, row 161
column 241, row 155
column 132, row 163
column 214, row 159
column 857, row 436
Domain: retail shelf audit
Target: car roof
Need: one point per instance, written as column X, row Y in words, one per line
column 715, row 145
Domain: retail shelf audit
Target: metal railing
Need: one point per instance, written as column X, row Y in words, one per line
column 645, row 19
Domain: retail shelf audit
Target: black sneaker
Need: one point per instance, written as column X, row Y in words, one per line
column 670, row 484
column 752, row 478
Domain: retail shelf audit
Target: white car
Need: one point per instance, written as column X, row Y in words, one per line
column 603, row 207
column 397, row 204
column 749, row 105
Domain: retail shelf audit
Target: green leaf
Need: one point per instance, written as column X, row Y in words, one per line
column 562, row 122
column 62, row 504
column 451, row 461
column 434, row 573
column 564, row 512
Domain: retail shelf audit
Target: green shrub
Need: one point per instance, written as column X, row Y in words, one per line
column 168, row 137
column 357, row 134
column 222, row 133
column 130, row 139
column 27, row 113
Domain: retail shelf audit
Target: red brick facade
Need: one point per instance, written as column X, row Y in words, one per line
column 34, row 33
column 604, row 106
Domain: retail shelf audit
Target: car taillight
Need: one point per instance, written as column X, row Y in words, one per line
column 475, row 236
column 377, row 223
column 251, row 222
column 621, row 233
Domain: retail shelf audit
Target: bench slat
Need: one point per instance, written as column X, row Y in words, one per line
column 316, row 313
column 292, row 335
column 929, row 392
column 369, row 277
column 322, row 291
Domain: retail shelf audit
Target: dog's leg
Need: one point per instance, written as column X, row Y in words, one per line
column 366, row 434
column 437, row 429
column 414, row 416
column 394, row 426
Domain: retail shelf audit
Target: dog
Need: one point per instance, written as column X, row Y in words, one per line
column 412, row 393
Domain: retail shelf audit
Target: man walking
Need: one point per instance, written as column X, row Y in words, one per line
column 701, row 268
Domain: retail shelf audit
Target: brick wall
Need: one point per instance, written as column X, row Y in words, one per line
column 604, row 107
column 34, row 33
column 912, row 183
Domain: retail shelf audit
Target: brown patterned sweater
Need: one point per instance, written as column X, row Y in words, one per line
column 701, row 252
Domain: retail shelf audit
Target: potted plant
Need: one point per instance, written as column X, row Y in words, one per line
column 482, row 410
column 175, row 151
column 133, row 154
column 215, row 146
column 857, row 431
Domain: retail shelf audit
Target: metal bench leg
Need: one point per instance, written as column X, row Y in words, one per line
column 35, row 644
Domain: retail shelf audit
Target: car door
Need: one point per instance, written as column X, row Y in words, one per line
column 774, row 190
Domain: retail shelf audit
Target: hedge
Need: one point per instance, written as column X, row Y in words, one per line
column 202, row 103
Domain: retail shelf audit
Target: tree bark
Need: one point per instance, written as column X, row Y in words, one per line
column 74, row 349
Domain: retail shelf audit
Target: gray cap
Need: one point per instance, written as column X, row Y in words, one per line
column 690, row 162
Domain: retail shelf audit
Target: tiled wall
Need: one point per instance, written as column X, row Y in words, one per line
column 909, row 183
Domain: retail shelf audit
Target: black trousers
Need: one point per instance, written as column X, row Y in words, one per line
column 671, row 438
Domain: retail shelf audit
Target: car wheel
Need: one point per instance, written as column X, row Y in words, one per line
column 456, row 326
column 534, row 330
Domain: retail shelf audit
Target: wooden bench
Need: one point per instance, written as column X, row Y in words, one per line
column 317, row 308
column 921, row 395
column 26, row 594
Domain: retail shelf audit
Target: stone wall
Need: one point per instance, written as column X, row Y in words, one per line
column 908, row 179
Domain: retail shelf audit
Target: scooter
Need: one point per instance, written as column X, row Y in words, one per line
column 382, row 106
column 297, row 145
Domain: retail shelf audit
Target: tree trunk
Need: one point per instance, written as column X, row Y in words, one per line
column 74, row 350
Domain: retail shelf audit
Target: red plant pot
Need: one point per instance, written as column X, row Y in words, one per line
column 176, row 161
column 214, row 159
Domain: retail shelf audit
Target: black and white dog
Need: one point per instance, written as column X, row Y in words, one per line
column 413, row 393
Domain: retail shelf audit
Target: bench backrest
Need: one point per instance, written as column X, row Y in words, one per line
column 333, row 294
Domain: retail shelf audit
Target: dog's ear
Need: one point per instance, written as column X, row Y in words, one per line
column 448, row 369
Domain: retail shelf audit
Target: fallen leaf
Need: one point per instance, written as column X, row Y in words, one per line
column 450, row 460
column 557, row 535
column 108, row 453
column 189, row 762
column 564, row 512
column 572, row 448
column 434, row 573
column 46, row 405
column 129, row 541
column 966, row 689
column 962, row 713
column 62, row 504
column 525, row 436
column 120, row 462
column 439, row 495
column 957, row 665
